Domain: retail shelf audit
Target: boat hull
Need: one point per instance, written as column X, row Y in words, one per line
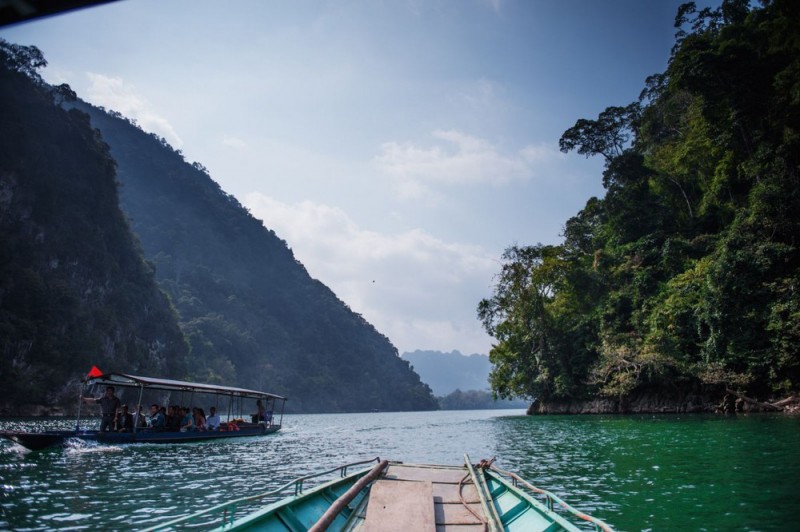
column 395, row 496
column 37, row 441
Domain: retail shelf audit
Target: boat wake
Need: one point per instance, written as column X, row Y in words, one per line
column 16, row 448
column 78, row 446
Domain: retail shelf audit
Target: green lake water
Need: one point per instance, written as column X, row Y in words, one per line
column 661, row 472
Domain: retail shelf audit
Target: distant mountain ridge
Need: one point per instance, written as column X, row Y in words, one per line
column 448, row 372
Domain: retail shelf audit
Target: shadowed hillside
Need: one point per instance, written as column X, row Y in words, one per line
column 74, row 288
column 250, row 310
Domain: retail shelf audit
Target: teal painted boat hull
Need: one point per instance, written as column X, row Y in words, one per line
column 459, row 498
column 520, row 512
column 303, row 511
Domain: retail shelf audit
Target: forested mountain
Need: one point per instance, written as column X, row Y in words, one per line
column 448, row 372
column 251, row 312
column 76, row 291
column 74, row 288
column 684, row 280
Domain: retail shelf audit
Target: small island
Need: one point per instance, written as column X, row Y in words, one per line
column 679, row 290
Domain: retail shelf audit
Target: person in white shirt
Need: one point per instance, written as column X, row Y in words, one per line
column 212, row 421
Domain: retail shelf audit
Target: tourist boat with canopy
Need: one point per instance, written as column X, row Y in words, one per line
column 233, row 405
column 397, row 496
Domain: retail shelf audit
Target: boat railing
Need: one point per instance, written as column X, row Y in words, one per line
column 550, row 497
column 228, row 509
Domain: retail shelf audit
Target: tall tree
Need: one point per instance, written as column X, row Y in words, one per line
column 692, row 256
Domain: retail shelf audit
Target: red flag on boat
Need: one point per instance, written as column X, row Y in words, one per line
column 94, row 372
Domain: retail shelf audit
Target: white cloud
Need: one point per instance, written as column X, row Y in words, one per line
column 112, row 93
column 235, row 143
column 419, row 291
column 459, row 159
column 540, row 155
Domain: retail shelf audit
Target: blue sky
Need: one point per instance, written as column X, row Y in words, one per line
column 397, row 146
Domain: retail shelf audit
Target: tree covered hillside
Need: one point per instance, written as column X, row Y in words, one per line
column 74, row 287
column 250, row 310
column 684, row 280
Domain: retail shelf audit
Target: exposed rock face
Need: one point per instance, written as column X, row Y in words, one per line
column 660, row 403
column 645, row 403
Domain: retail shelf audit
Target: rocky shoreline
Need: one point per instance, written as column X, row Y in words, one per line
column 654, row 403
column 643, row 403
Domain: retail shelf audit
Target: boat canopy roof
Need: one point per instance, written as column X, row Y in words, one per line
column 133, row 381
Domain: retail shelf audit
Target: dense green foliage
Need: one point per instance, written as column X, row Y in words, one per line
column 252, row 314
column 74, row 287
column 686, row 275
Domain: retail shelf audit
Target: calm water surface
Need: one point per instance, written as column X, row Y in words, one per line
column 637, row 473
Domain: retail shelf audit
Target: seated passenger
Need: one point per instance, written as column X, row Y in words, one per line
column 187, row 421
column 156, row 420
column 139, row 419
column 261, row 413
column 199, row 419
column 174, row 418
column 124, row 420
column 212, row 421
